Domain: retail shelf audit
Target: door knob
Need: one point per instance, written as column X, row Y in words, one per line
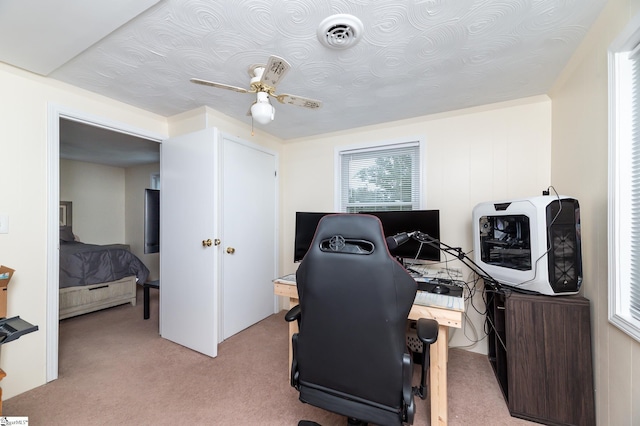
column 231, row 250
column 206, row 243
column 216, row 242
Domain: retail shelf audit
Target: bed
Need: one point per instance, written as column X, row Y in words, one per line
column 94, row 277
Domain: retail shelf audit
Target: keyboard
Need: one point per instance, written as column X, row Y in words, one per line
column 446, row 287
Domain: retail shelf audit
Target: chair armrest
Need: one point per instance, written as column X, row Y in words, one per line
column 427, row 330
column 407, row 373
column 295, row 374
column 428, row 334
column 293, row 314
column 407, row 390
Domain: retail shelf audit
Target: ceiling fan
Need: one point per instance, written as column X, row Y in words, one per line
column 264, row 80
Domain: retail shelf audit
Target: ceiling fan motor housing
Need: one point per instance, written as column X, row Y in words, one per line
column 264, row 79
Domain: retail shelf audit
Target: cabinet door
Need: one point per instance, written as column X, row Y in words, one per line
column 527, row 351
column 550, row 364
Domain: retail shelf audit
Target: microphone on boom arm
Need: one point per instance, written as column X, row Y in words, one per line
column 462, row 257
column 397, row 240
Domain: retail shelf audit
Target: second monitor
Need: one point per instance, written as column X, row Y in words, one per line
column 393, row 223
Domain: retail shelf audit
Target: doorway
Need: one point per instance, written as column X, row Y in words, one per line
column 55, row 115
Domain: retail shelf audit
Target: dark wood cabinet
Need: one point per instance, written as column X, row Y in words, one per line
column 540, row 351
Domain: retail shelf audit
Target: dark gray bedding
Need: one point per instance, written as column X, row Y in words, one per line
column 86, row 264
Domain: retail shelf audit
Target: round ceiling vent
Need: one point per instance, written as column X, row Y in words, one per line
column 340, row 31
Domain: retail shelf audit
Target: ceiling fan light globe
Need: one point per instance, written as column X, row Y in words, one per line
column 262, row 112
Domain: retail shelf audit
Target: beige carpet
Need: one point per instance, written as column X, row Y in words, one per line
column 115, row 369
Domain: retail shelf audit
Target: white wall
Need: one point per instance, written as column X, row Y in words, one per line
column 24, row 187
column 205, row 117
column 579, row 166
column 495, row 152
column 97, row 194
column 108, row 204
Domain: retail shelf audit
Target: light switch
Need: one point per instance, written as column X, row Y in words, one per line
column 4, row 223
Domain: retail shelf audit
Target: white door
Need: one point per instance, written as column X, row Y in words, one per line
column 249, row 234
column 188, row 268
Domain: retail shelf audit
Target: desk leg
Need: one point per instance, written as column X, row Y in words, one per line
column 293, row 329
column 145, row 289
column 439, row 357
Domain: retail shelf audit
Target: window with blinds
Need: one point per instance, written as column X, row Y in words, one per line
column 624, row 180
column 380, row 178
column 634, row 183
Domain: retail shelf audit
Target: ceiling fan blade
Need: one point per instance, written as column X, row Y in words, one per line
column 274, row 71
column 219, row 85
column 299, row 101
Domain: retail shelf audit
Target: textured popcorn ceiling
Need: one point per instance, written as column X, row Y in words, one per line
column 41, row 35
column 415, row 57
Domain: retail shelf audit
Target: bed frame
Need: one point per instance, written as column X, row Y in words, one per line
column 81, row 300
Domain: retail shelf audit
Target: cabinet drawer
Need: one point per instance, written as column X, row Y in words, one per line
column 78, row 300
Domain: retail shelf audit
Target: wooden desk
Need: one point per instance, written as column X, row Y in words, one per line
column 446, row 317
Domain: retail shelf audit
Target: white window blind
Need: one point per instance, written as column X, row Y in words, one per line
column 624, row 180
column 634, row 183
column 380, row 178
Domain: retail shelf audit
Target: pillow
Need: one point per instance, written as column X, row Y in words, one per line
column 66, row 234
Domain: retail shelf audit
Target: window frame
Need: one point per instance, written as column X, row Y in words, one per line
column 380, row 146
column 154, row 181
column 619, row 217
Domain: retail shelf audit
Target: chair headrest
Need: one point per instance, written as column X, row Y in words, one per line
column 350, row 233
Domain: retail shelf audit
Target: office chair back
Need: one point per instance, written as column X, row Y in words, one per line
column 350, row 354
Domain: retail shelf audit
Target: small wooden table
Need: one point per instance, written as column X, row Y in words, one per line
column 146, row 286
column 446, row 310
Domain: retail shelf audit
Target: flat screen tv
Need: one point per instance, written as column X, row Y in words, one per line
column 151, row 220
column 393, row 223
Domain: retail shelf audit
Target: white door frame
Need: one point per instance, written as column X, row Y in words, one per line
column 54, row 113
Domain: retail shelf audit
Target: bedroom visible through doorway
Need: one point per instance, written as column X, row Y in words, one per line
column 84, row 151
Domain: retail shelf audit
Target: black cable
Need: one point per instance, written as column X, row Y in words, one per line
column 490, row 283
column 459, row 254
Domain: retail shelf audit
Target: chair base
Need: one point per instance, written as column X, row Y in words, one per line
column 350, row 421
column 349, row 408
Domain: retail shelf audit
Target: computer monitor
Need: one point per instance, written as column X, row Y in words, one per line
column 306, row 224
column 393, row 223
column 424, row 221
